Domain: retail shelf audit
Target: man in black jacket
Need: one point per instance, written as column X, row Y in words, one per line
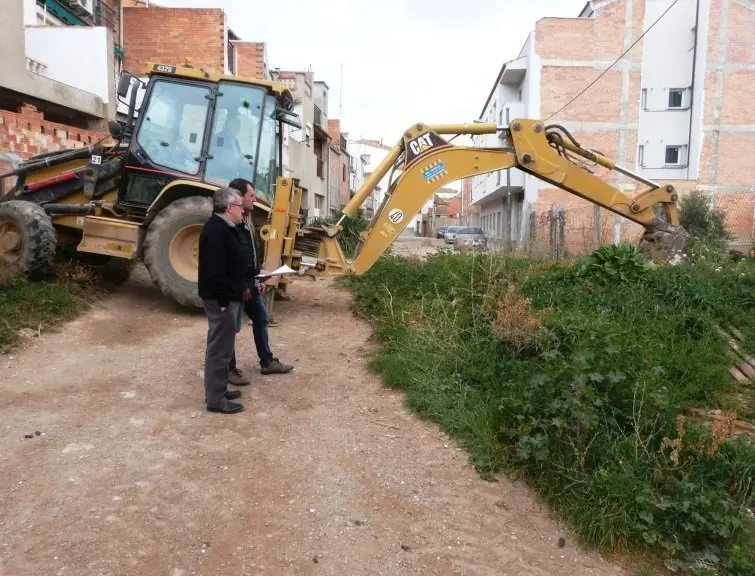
column 221, row 287
column 254, row 305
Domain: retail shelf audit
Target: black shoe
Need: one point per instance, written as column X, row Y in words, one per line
column 232, row 394
column 226, row 408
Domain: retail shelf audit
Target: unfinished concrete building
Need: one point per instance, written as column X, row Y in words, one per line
column 675, row 108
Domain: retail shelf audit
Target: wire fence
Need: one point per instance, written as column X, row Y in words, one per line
column 560, row 232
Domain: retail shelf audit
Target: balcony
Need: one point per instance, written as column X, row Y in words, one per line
column 72, row 55
column 318, row 115
column 92, row 13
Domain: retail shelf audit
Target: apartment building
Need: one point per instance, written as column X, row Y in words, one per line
column 58, row 69
column 366, row 155
column 676, row 108
column 339, row 192
column 306, row 150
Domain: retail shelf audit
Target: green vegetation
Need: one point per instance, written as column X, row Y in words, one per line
column 348, row 238
column 70, row 289
column 579, row 377
column 705, row 223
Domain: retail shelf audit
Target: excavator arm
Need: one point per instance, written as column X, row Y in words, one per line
column 426, row 161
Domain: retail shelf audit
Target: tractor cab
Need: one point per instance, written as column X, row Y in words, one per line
column 195, row 128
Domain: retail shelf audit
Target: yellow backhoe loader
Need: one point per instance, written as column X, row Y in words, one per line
column 146, row 194
column 423, row 161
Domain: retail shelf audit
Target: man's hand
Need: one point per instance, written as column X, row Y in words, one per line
column 247, row 295
column 261, row 288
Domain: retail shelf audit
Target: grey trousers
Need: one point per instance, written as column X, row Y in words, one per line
column 221, row 339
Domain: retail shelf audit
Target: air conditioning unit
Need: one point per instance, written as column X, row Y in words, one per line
column 85, row 7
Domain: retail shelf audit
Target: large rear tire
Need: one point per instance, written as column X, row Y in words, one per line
column 27, row 239
column 171, row 248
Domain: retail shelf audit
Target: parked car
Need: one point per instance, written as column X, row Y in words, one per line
column 441, row 233
column 470, row 239
column 450, row 234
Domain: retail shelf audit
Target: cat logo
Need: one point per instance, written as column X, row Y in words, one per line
column 419, row 144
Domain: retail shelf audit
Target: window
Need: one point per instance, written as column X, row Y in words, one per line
column 644, row 99
column 641, row 155
column 675, row 155
column 319, row 201
column 675, row 98
column 344, row 172
column 172, row 129
column 266, row 159
column 236, row 133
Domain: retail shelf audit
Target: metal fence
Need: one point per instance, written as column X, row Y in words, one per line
column 561, row 231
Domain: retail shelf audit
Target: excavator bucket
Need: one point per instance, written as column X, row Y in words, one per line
column 663, row 243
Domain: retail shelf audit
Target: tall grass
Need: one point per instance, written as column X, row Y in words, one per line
column 579, row 379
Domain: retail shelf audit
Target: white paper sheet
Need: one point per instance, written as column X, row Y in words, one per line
column 283, row 270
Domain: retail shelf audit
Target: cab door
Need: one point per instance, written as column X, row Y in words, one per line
column 167, row 142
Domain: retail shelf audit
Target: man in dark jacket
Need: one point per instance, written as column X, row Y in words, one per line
column 254, row 304
column 221, row 288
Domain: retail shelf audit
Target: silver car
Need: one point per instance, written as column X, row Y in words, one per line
column 451, row 234
column 470, row 239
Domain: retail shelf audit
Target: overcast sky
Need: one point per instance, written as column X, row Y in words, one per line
column 438, row 68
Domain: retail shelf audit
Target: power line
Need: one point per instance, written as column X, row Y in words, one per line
column 614, row 62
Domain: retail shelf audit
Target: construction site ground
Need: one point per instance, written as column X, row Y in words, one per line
column 111, row 465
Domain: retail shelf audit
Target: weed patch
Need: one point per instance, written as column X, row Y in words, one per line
column 579, row 378
column 36, row 306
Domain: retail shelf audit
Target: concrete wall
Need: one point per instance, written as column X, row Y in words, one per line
column 665, row 124
column 78, row 56
column 15, row 76
column 299, row 144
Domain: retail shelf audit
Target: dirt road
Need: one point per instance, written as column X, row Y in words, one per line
column 324, row 473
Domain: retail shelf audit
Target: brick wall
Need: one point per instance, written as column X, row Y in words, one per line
column 725, row 167
column 170, row 35
column 250, row 57
column 27, row 133
column 339, row 161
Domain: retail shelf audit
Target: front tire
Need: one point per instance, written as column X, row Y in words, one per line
column 171, row 248
column 27, row 239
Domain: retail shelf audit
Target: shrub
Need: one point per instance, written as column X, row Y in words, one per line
column 576, row 378
column 610, row 263
column 349, row 236
column 705, row 223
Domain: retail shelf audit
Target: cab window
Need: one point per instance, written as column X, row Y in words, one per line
column 267, row 161
column 235, row 135
column 173, row 126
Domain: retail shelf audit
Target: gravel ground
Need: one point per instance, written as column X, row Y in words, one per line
column 324, row 472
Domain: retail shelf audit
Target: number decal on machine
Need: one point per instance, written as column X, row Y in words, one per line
column 96, row 159
column 164, row 68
